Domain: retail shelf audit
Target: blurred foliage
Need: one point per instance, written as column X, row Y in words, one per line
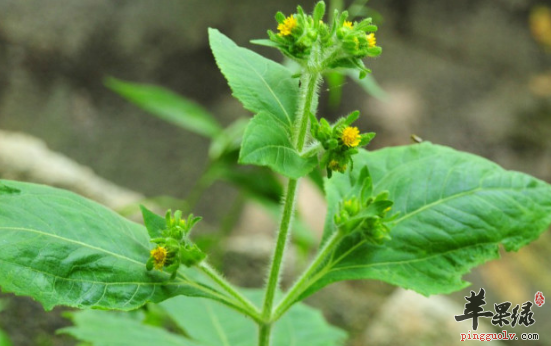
column 4, row 338
column 540, row 25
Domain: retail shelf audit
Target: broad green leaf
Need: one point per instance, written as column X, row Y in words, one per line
column 168, row 106
column 213, row 324
column 107, row 328
column 4, row 189
column 62, row 249
column 267, row 143
column 454, row 210
column 259, row 83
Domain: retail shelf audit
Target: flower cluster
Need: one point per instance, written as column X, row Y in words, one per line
column 365, row 214
column 339, row 141
column 342, row 43
column 173, row 246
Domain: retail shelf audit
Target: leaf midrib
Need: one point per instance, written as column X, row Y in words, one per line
column 409, row 261
column 462, row 194
column 74, row 242
column 143, row 283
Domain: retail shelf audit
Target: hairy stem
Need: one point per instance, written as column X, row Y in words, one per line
column 277, row 260
column 306, row 100
column 264, row 334
column 247, row 306
column 226, row 300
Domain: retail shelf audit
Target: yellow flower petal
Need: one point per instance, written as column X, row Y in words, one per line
column 351, row 136
column 371, row 40
column 287, row 26
column 159, row 256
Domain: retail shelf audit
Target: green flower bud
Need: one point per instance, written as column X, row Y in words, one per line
column 191, row 255
column 280, row 17
column 319, row 11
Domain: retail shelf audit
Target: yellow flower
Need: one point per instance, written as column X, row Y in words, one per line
column 371, row 40
column 159, row 256
column 351, row 136
column 287, row 26
column 347, row 24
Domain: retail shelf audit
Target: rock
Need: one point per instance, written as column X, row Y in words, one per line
column 408, row 318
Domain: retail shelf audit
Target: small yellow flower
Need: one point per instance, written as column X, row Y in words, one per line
column 287, row 26
column 351, row 136
column 159, row 256
column 371, row 40
column 347, row 24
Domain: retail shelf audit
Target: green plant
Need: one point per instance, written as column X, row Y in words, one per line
column 417, row 216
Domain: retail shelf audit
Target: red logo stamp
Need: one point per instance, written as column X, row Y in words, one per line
column 539, row 299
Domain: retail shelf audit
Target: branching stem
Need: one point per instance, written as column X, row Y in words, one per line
column 247, row 306
column 307, row 278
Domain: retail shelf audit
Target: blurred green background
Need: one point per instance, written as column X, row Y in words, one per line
column 474, row 75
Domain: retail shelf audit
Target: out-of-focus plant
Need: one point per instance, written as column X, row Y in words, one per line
column 4, row 338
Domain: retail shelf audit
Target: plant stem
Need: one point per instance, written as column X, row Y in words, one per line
column 265, row 331
column 306, row 100
column 284, row 228
column 219, row 297
column 303, row 281
column 228, row 287
column 310, row 82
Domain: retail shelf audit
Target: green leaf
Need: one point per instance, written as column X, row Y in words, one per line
column 107, row 328
column 213, row 324
column 266, row 43
column 168, row 106
column 453, row 210
column 4, row 189
column 153, row 223
column 259, row 83
column 62, row 249
column 267, row 143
